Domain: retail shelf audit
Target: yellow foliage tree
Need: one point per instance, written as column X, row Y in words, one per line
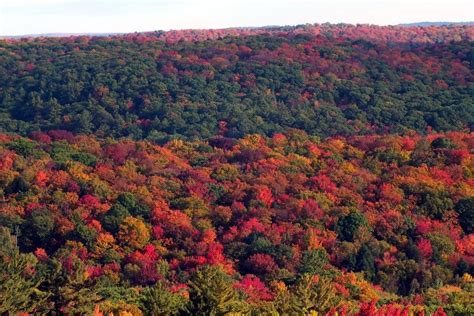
column 133, row 233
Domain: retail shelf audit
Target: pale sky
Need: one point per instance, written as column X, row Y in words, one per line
column 19, row 17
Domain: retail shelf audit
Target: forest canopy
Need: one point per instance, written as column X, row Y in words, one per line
column 204, row 227
column 307, row 170
column 325, row 80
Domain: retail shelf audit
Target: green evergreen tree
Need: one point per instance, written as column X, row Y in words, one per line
column 465, row 210
column 19, row 290
column 313, row 261
column 366, row 262
column 212, row 293
column 349, row 225
column 307, row 296
column 158, row 300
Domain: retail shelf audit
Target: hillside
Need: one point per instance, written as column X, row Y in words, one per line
column 326, row 80
column 295, row 170
column 384, row 219
column 425, row 24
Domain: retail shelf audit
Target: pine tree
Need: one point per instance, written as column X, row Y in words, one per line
column 19, row 292
column 307, row 296
column 212, row 293
column 366, row 262
column 158, row 300
column 465, row 210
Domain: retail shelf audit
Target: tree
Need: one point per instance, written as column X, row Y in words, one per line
column 442, row 143
column 212, row 293
column 423, row 154
column 158, row 300
column 465, row 210
column 261, row 264
column 254, row 289
column 307, row 296
column 314, row 261
column 114, row 217
column 38, row 229
column 442, row 247
column 131, row 203
column 424, row 248
column 18, row 185
column 133, row 233
column 77, row 294
column 19, row 286
column 348, row 225
column 22, row 147
column 365, row 261
column 435, row 204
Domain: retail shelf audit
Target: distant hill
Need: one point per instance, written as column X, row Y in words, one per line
column 435, row 23
column 325, row 79
column 240, row 30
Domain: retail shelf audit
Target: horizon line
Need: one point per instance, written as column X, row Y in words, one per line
column 105, row 34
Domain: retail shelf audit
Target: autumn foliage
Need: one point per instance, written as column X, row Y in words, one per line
column 377, row 216
column 306, row 170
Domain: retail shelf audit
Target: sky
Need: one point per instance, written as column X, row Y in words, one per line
column 20, row 17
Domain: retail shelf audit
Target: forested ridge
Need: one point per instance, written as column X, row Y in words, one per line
column 157, row 87
column 281, row 221
column 308, row 170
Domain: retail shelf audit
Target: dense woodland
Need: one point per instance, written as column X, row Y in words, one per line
column 309, row 170
column 288, row 224
column 173, row 85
